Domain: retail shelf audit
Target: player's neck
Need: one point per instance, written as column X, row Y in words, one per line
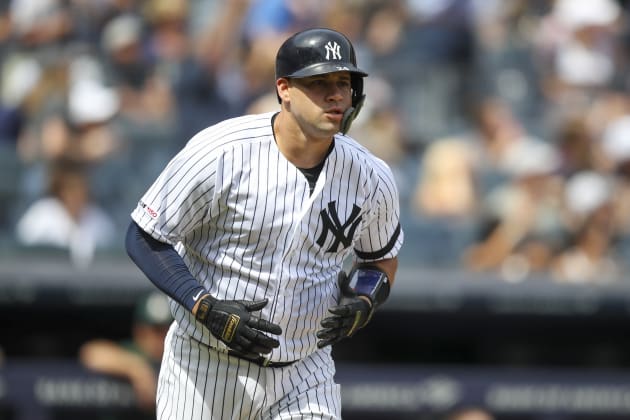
column 297, row 147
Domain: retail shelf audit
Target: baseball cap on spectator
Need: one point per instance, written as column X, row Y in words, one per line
column 578, row 14
column 26, row 15
column 120, row 32
column 90, row 102
column 19, row 76
column 616, row 140
column 531, row 157
column 153, row 309
column 587, row 191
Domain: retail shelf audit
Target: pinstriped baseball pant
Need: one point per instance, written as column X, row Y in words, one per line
column 197, row 382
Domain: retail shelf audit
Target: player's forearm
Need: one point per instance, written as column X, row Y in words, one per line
column 163, row 266
column 389, row 267
column 108, row 357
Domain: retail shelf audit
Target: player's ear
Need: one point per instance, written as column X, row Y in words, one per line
column 282, row 88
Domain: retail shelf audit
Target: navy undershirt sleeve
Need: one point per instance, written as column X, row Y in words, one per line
column 163, row 266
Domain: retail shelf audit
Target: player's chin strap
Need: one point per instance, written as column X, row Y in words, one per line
column 350, row 114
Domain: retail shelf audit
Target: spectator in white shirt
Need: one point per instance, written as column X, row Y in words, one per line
column 66, row 217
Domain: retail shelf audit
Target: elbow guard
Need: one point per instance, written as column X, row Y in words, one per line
column 371, row 282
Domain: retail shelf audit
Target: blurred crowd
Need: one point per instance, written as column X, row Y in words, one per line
column 506, row 122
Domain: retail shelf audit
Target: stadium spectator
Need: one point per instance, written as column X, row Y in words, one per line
column 579, row 51
column 456, row 174
column 478, row 156
column 576, row 144
column 145, row 94
column 72, row 121
column 589, row 256
column 614, row 146
column 66, row 217
column 524, row 227
column 470, row 414
column 447, row 185
column 136, row 359
column 503, row 59
column 430, row 97
column 489, row 74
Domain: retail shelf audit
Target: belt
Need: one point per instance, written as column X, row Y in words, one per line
column 260, row 360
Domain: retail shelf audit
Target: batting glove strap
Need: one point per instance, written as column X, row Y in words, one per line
column 361, row 318
column 204, row 308
column 232, row 322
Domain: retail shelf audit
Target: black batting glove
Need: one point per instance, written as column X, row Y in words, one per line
column 352, row 314
column 232, row 322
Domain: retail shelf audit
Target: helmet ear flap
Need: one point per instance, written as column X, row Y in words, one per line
column 358, row 98
column 357, row 90
column 349, row 115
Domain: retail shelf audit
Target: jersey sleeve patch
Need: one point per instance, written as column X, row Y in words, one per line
column 148, row 210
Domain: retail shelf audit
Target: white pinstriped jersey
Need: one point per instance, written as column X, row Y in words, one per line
column 244, row 221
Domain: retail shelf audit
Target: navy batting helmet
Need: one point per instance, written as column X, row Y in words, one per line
column 321, row 51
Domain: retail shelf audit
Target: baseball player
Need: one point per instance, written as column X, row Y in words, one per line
column 247, row 230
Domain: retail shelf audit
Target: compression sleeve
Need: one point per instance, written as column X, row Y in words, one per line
column 163, row 266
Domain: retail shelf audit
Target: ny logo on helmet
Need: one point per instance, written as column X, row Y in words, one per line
column 333, row 48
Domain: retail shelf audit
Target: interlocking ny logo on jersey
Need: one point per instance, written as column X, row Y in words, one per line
column 334, row 49
column 331, row 223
